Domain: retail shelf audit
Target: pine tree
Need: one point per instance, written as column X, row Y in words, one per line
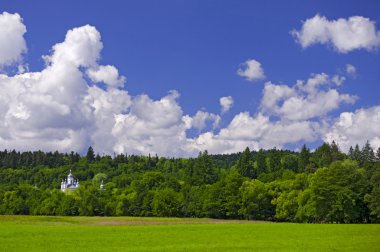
column 351, row 153
column 335, row 152
column 205, row 169
column 303, row 158
column 274, row 160
column 90, row 154
column 367, row 153
column 322, row 156
column 357, row 154
column 261, row 162
column 378, row 155
column 245, row 164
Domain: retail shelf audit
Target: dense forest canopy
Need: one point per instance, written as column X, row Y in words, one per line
column 279, row 185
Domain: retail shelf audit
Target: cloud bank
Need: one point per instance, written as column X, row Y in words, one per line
column 75, row 102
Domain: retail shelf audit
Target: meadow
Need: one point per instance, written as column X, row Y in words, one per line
column 40, row 233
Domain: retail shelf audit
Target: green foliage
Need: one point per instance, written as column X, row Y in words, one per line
column 337, row 193
column 232, row 195
column 304, row 158
column 290, row 162
column 99, row 177
column 261, row 164
column 373, row 197
column 245, row 164
column 167, row 203
column 274, row 160
column 90, row 154
column 256, row 201
column 280, row 185
column 322, row 157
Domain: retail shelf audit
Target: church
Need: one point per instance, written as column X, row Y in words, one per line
column 70, row 183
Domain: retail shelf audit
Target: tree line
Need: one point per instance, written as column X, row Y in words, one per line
column 322, row 186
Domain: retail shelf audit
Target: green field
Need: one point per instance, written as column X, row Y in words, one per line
column 34, row 233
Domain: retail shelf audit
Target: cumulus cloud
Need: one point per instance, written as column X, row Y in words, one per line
column 104, row 106
column 344, row 35
column 199, row 121
column 251, row 70
column 153, row 127
column 63, row 107
column 226, row 103
column 81, row 47
column 12, row 43
column 351, row 70
column 107, row 74
column 357, row 127
column 305, row 100
column 56, row 109
column 256, row 132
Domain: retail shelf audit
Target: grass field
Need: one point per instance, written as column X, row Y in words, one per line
column 39, row 233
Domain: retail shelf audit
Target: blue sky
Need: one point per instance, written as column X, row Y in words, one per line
column 196, row 48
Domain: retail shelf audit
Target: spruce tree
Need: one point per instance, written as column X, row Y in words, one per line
column 245, row 164
column 335, row 152
column 261, row 162
column 357, row 154
column 90, row 154
column 351, row 153
column 367, row 154
column 303, row 158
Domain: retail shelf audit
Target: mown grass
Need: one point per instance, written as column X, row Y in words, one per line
column 35, row 233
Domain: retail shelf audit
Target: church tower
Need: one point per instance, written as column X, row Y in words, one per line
column 69, row 183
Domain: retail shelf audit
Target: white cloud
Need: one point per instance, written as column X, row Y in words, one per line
column 344, row 35
column 107, row 74
column 162, row 113
column 81, row 47
column 256, row 132
column 56, row 109
column 243, row 126
column 153, row 127
column 59, row 108
column 338, row 80
column 12, row 43
column 226, row 103
column 351, row 70
column 104, row 105
column 217, row 145
column 251, row 70
column 199, row 121
column 375, row 143
column 304, row 101
column 357, row 127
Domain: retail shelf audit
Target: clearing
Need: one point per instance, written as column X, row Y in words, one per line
column 42, row 233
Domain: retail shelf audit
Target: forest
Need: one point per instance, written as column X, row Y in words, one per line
column 320, row 186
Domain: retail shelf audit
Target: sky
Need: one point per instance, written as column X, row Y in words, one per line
column 174, row 78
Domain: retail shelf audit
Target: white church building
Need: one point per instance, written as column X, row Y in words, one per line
column 70, row 183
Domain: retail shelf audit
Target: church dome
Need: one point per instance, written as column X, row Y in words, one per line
column 69, row 183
